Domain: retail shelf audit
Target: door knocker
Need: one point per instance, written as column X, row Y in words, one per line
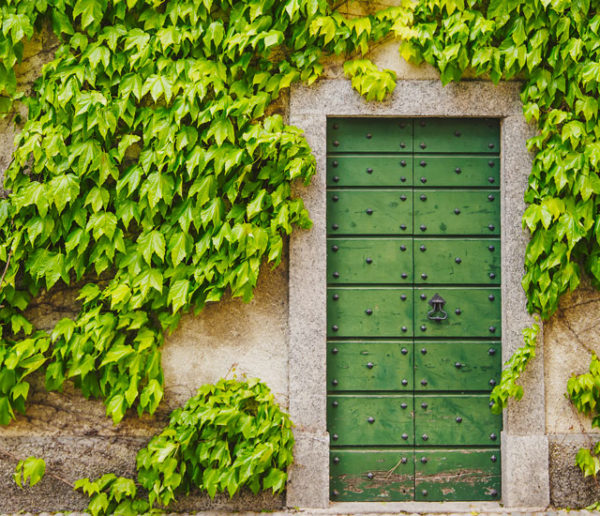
column 437, row 313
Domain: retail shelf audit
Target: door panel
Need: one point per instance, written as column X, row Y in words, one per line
column 369, row 312
column 370, row 366
column 456, row 170
column 369, row 260
column 464, row 261
column 381, row 475
column 457, row 365
column 456, row 212
column 369, row 135
column 372, row 212
column 471, row 312
column 369, row 170
column 414, row 308
column 452, row 419
column 457, row 135
column 365, row 420
column 467, row 474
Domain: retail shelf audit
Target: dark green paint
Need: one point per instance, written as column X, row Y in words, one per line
column 369, row 260
column 455, row 419
column 456, row 365
column 450, row 135
column 448, row 474
column 372, row 212
column 410, row 218
column 349, row 312
column 456, row 212
column 456, row 170
column 477, row 317
column 350, row 419
column 380, row 475
column 370, row 366
column 352, row 135
column 369, row 170
column 460, row 261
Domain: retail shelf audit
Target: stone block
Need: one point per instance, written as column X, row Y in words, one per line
column 568, row 488
column 308, row 482
column 525, row 481
column 68, row 458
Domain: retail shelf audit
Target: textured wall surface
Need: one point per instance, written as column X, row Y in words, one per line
column 570, row 338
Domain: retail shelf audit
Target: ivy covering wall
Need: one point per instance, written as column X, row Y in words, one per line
column 148, row 175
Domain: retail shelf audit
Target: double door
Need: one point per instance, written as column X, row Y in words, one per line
column 414, row 308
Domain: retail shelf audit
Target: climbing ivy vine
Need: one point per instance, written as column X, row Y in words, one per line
column 149, row 175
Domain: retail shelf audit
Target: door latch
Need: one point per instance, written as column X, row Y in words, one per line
column 437, row 313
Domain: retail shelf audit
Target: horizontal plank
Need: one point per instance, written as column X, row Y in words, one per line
column 455, row 420
column 370, row 366
column 457, row 365
column 367, row 420
column 456, row 170
column 369, row 135
column 456, row 212
column 373, row 212
column 369, row 260
column 457, row 261
column 471, row 312
column 460, row 135
column 369, row 170
column 369, row 312
column 459, row 475
column 372, row 475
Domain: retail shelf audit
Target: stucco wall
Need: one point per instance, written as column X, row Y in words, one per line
column 231, row 337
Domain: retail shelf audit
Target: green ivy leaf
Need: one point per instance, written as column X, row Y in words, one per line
column 31, row 469
column 178, row 294
column 152, row 243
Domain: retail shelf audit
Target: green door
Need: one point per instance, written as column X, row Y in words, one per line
column 413, row 308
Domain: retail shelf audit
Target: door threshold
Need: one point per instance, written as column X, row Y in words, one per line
column 474, row 507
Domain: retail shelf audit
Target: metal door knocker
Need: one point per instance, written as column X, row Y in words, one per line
column 437, row 313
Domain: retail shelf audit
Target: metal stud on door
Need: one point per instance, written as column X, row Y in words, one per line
column 414, row 311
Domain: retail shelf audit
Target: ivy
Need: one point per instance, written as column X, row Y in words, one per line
column 553, row 46
column 31, row 469
column 368, row 80
column 584, row 392
column 149, row 175
column 230, row 435
column 514, row 367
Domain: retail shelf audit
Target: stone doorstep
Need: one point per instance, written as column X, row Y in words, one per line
column 383, row 509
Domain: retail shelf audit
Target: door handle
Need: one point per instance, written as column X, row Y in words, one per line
column 437, row 313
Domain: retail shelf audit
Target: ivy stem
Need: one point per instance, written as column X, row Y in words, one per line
column 5, row 268
column 56, row 477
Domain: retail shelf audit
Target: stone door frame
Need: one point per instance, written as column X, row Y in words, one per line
column 524, row 456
